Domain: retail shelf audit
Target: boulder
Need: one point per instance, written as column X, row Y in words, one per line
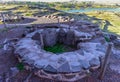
column 94, row 62
column 61, row 35
column 82, row 36
column 36, row 36
column 49, row 37
column 70, row 38
column 75, row 66
column 84, row 64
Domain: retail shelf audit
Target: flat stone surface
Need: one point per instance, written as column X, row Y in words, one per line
column 64, row 68
column 94, row 62
column 84, row 64
column 75, row 66
column 93, row 48
column 61, row 60
column 50, row 68
column 41, row 63
column 70, row 56
column 54, row 57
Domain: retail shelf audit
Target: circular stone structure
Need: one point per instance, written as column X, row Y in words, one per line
column 66, row 66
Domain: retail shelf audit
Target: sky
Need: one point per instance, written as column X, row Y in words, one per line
column 112, row 1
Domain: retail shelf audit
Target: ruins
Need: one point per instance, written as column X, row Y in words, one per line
column 8, row 16
column 66, row 66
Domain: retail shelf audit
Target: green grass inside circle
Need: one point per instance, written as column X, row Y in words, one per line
column 57, row 48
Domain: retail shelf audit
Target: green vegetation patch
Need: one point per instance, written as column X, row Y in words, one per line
column 1, row 46
column 57, row 48
column 28, row 14
column 107, row 39
column 20, row 66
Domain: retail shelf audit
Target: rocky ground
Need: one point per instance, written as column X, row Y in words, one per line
column 9, row 73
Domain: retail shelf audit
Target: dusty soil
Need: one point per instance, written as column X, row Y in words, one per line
column 8, row 60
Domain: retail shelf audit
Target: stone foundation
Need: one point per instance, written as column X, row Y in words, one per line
column 89, row 50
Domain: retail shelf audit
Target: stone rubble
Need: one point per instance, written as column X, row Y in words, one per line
column 14, row 71
column 115, row 68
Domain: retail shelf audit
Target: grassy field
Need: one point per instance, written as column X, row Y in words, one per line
column 108, row 20
column 77, row 5
column 7, row 7
column 113, row 20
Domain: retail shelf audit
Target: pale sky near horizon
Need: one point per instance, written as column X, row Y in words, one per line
column 66, row 0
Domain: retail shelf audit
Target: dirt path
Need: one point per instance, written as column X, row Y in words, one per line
column 30, row 20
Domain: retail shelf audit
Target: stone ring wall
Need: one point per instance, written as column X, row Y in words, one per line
column 86, row 56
